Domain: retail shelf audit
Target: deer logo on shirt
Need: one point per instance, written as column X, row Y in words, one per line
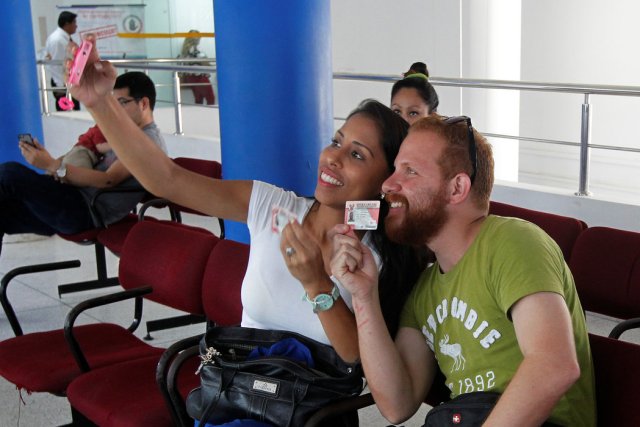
column 454, row 351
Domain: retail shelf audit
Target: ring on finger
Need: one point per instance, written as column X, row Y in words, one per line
column 289, row 251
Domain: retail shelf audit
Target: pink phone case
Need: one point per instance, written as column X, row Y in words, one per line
column 79, row 62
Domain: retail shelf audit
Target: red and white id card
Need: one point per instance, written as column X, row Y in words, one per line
column 280, row 217
column 362, row 214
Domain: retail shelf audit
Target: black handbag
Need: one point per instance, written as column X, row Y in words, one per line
column 271, row 389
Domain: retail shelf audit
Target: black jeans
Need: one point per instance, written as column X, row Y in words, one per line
column 35, row 203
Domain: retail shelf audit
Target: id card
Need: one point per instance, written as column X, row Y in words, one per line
column 280, row 217
column 362, row 214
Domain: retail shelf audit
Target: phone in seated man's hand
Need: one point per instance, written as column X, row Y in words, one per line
column 26, row 138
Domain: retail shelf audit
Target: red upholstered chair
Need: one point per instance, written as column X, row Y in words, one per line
column 617, row 372
column 128, row 394
column 110, row 238
column 90, row 237
column 563, row 229
column 164, row 263
column 113, row 236
column 606, row 267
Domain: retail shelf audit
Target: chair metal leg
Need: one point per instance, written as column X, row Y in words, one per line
column 172, row 322
column 101, row 282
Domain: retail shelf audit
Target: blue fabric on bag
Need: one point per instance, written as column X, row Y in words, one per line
column 290, row 348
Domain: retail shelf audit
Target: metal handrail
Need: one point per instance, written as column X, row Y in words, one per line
column 585, row 123
column 503, row 84
column 586, row 90
column 146, row 65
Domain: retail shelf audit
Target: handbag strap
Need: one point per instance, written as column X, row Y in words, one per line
column 226, row 378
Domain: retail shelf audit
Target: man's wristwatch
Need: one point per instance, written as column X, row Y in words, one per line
column 323, row 302
column 61, row 172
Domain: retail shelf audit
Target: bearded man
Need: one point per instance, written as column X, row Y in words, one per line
column 498, row 310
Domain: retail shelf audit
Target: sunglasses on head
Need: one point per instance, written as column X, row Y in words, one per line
column 471, row 140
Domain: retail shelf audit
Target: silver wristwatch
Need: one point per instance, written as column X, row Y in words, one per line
column 61, row 172
column 323, row 302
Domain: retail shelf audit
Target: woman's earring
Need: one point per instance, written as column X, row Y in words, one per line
column 382, row 196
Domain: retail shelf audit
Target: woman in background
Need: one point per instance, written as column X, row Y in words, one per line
column 199, row 83
column 414, row 97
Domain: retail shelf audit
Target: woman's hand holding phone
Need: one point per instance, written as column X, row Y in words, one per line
column 97, row 79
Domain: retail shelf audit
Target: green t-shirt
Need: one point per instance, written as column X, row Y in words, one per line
column 464, row 314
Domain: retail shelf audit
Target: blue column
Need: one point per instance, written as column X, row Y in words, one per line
column 275, row 91
column 20, row 106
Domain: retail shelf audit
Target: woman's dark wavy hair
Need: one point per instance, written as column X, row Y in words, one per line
column 401, row 265
column 424, row 89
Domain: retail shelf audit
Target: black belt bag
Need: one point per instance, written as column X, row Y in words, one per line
column 465, row 410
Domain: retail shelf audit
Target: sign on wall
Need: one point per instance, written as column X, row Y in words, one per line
column 106, row 22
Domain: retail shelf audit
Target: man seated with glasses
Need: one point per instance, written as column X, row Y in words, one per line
column 58, row 201
column 498, row 310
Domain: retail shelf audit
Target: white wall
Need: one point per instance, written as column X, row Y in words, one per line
column 385, row 37
column 581, row 42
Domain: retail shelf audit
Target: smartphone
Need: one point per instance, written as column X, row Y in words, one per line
column 26, row 137
column 79, row 62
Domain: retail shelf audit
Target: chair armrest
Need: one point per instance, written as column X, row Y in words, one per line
column 339, row 407
column 73, row 314
column 160, row 203
column 18, row 271
column 624, row 326
column 168, row 367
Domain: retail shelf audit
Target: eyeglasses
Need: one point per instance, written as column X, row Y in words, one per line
column 471, row 140
column 125, row 101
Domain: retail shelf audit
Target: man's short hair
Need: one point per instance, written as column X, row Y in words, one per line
column 139, row 85
column 66, row 18
column 455, row 156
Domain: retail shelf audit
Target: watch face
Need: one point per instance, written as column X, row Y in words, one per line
column 323, row 302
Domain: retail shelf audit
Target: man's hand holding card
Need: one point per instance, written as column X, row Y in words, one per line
column 362, row 214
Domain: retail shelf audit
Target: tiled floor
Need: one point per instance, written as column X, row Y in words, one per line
column 39, row 308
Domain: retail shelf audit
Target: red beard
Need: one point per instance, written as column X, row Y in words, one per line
column 422, row 220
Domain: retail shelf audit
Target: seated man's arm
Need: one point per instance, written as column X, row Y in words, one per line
column 39, row 157
column 83, row 177
column 550, row 367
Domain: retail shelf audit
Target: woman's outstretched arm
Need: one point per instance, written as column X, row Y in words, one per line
column 150, row 165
